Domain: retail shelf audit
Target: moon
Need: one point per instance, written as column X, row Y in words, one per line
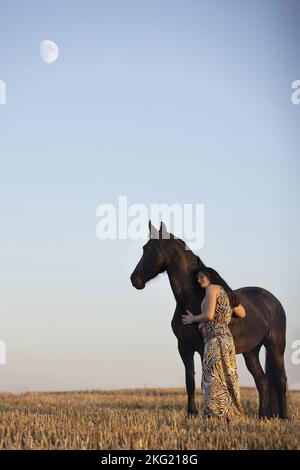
column 49, row 51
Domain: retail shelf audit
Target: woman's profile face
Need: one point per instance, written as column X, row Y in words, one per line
column 203, row 280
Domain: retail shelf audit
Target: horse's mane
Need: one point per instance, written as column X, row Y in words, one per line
column 187, row 248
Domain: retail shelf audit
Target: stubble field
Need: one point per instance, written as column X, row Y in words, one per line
column 136, row 419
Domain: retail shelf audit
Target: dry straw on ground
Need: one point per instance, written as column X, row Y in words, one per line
column 136, row 419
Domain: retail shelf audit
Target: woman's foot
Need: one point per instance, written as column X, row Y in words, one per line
column 208, row 416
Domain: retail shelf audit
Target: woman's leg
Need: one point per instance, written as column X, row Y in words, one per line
column 215, row 393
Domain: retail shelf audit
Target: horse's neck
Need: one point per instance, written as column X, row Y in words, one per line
column 180, row 269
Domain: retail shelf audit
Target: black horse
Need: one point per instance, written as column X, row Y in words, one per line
column 264, row 324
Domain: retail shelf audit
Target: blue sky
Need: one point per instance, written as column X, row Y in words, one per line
column 165, row 102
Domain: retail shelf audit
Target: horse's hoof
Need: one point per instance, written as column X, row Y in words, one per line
column 189, row 415
column 206, row 416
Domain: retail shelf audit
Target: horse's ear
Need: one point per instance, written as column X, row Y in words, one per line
column 163, row 232
column 152, row 230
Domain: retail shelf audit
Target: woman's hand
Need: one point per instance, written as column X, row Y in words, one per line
column 189, row 318
column 239, row 311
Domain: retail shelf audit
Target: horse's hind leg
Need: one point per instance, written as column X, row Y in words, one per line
column 261, row 380
column 187, row 356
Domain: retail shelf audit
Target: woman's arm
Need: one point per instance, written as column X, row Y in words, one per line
column 239, row 311
column 209, row 307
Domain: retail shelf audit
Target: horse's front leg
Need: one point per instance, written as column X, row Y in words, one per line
column 187, row 356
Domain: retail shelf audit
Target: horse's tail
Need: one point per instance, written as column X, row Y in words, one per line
column 274, row 366
column 273, row 405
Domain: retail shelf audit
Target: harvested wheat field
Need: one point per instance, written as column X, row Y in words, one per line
column 136, row 419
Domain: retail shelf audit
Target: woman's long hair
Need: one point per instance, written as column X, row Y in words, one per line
column 215, row 278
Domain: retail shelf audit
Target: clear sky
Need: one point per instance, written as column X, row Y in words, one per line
column 165, row 102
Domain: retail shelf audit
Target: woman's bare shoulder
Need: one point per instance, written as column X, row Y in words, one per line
column 213, row 288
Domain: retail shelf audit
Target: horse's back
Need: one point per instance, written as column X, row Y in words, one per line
column 263, row 310
column 259, row 295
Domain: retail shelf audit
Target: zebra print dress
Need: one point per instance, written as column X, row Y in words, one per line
column 219, row 383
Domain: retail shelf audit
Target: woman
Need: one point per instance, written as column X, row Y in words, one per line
column 220, row 389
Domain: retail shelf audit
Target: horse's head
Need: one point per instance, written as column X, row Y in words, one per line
column 154, row 259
